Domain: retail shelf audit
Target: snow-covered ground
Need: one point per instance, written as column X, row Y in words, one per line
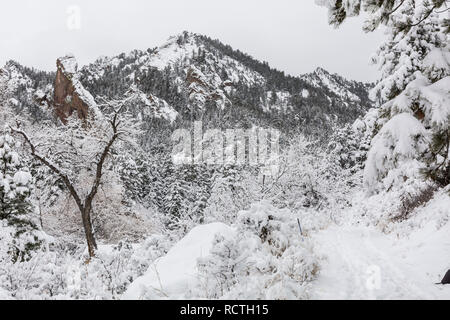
column 364, row 263
column 4, row 295
column 174, row 274
column 366, row 260
column 358, row 258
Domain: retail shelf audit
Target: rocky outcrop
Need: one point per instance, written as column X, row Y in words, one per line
column 148, row 107
column 69, row 94
column 200, row 91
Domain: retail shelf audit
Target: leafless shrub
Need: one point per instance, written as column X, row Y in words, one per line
column 411, row 201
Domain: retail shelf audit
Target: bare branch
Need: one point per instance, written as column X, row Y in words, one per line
column 51, row 166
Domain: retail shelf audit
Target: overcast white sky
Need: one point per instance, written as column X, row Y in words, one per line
column 292, row 35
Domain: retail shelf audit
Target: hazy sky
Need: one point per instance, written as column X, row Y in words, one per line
column 291, row 35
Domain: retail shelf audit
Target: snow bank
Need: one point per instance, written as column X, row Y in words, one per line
column 4, row 295
column 175, row 273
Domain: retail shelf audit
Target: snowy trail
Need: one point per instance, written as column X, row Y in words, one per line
column 364, row 263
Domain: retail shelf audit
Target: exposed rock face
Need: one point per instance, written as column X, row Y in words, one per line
column 69, row 94
column 148, row 106
column 446, row 279
column 200, row 92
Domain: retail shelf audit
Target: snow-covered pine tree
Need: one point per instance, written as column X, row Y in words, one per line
column 228, row 194
column 3, row 88
column 344, row 147
column 16, row 208
column 5, row 113
column 413, row 94
column 185, row 194
column 135, row 174
column 349, row 145
column 14, row 182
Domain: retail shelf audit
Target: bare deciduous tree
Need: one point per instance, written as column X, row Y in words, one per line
column 79, row 146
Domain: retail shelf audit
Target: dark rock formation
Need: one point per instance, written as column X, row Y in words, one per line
column 69, row 94
column 446, row 279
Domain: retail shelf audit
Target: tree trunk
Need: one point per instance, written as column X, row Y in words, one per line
column 87, row 224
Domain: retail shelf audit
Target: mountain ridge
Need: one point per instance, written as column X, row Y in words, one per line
column 202, row 78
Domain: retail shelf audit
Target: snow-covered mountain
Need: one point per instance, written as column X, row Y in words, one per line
column 338, row 86
column 191, row 76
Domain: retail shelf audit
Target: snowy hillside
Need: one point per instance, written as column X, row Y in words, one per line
column 337, row 85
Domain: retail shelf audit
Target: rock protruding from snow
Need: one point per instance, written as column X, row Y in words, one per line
column 446, row 279
column 69, row 94
column 200, row 92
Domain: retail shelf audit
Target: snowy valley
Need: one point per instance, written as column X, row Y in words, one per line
column 349, row 197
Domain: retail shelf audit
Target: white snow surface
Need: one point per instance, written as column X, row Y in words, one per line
column 69, row 63
column 4, row 295
column 22, row 178
column 170, row 53
column 174, row 274
column 362, row 262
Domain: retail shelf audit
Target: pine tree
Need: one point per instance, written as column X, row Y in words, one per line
column 15, row 205
column 14, row 182
column 185, row 193
column 412, row 95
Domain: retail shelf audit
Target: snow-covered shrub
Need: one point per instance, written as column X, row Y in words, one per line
column 310, row 183
column 411, row 201
column 267, row 258
column 233, row 189
column 113, row 218
column 62, row 274
column 108, row 275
